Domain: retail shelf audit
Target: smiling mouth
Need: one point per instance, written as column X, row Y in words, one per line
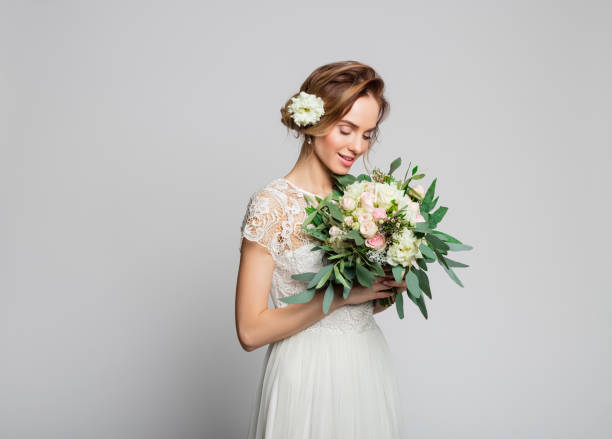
column 345, row 157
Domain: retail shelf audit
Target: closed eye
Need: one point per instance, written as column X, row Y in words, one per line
column 346, row 134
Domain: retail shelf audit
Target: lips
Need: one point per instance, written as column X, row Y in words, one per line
column 347, row 157
column 346, row 161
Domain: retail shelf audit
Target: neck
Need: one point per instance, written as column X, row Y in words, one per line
column 312, row 175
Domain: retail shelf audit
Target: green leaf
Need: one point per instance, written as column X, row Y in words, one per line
column 437, row 216
column 422, row 227
column 399, row 304
column 310, row 201
column 378, row 269
column 426, row 205
column 421, row 263
column 325, row 277
column 427, row 251
column 412, row 282
column 437, row 243
column 302, row 297
column 421, row 304
column 338, row 256
column 458, row 247
column 445, row 237
column 397, row 272
column 433, row 203
column 327, row 299
column 339, row 276
column 452, row 263
column 356, row 236
column 347, row 290
column 346, row 179
column 414, row 170
column 364, row 276
column 315, row 280
column 394, row 165
column 335, row 211
column 309, row 218
column 423, row 282
column 449, row 270
column 305, row 277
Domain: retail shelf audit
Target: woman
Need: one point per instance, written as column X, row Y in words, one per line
column 324, row 375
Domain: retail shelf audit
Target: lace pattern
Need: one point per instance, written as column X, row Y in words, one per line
column 273, row 219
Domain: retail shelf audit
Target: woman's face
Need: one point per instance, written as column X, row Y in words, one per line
column 349, row 137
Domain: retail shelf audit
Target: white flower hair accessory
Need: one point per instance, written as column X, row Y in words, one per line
column 306, row 108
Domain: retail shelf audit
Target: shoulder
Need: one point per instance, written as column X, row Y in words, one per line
column 268, row 200
column 273, row 191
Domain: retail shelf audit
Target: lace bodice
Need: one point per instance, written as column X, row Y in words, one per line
column 273, row 219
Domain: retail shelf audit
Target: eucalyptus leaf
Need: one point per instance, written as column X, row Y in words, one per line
column 426, row 205
column 335, row 211
column 347, row 290
column 449, row 270
column 339, row 276
column 327, row 299
column 452, row 263
column 325, row 277
column 422, row 227
column 458, row 247
column 421, row 263
column 399, row 304
column 303, row 297
column 412, row 282
column 437, row 243
column 420, row 301
column 445, row 237
column 304, row 277
column 394, row 165
column 364, row 276
column 315, row 280
column 437, row 216
column 397, row 272
column 423, row 282
column 427, row 251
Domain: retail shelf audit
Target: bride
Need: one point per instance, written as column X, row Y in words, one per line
column 324, row 375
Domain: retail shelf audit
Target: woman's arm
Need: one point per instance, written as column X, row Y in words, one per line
column 256, row 324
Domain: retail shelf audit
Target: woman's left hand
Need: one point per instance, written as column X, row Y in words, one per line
column 390, row 282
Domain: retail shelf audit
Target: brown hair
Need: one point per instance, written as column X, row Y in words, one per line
column 339, row 84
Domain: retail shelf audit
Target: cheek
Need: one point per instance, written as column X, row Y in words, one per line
column 334, row 142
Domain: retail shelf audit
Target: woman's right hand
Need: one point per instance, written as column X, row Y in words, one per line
column 361, row 294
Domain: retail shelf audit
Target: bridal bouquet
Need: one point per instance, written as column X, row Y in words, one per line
column 374, row 225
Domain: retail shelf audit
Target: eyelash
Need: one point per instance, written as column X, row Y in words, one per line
column 346, row 134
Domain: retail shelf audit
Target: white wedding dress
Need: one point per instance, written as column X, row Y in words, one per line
column 335, row 379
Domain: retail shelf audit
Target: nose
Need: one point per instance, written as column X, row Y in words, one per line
column 358, row 146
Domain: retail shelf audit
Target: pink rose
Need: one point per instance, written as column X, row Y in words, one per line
column 419, row 218
column 368, row 229
column 366, row 200
column 377, row 242
column 379, row 213
column 364, row 217
column 348, row 203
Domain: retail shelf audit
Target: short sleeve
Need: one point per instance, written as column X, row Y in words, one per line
column 263, row 221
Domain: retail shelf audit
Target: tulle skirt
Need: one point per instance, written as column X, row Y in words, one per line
column 324, row 384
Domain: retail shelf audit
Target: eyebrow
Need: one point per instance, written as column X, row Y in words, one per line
column 355, row 125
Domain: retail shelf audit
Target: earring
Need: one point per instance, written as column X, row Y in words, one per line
column 309, row 140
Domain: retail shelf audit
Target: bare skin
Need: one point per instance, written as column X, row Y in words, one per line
column 256, row 324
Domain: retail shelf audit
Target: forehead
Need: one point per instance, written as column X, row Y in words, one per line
column 363, row 113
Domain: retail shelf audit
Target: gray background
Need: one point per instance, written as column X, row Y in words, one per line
column 133, row 134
